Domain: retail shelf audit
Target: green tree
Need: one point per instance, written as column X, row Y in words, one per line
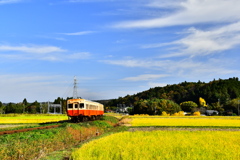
column 34, row 108
column 188, row 106
column 234, row 105
column 156, row 106
column 25, row 104
column 2, row 108
column 217, row 106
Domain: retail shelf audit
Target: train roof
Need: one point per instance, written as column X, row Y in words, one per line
column 84, row 100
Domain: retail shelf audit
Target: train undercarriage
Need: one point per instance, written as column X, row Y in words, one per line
column 82, row 118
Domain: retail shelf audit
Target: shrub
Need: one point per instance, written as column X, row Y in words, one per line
column 180, row 113
column 197, row 113
column 164, row 114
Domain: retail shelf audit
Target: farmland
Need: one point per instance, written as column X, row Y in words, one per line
column 30, row 118
column 187, row 121
column 168, row 138
column 145, row 137
column 163, row 145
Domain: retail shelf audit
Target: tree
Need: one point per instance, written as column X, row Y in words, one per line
column 233, row 105
column 25, row 104
column 188, row 106
column 156, row 106
column 2, row 108
column 202, row 102
column 10, row 108
column 217, row 106
column 34, row 108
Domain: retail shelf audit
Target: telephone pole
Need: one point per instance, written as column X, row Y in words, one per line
column 75, row 96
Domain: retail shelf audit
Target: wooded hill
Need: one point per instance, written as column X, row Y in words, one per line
column 221, row 91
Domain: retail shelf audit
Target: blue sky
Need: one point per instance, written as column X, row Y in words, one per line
column 113, row 47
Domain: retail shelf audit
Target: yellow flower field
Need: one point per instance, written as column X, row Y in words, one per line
column 170, row 145
column 31, row 118
column 179, row 121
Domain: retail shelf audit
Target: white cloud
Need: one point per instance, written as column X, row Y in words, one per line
column 190, row 12
column 78, row 33
column 9, row 1
column 153, row 84
column 182, row 68
column 87, row 1
column 200, row 43
column 81, row 55
column 138, row 63
column 16, row 87
column 31, row 49
column 145, row 77
column 46, row 53
column 63, row 57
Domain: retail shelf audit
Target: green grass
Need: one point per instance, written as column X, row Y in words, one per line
column 57, row 141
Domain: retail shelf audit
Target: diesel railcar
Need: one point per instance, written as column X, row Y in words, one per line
column 80, row 110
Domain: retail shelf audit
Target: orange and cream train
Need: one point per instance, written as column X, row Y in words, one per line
column 82, row 110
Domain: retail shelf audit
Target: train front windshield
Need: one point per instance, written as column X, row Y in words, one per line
column 76, row 105
column 81, row 105
column 70, row 105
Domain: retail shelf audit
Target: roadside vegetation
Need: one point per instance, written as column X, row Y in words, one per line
column 39, row 143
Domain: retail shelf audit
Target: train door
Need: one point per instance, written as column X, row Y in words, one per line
column 76, row 109
column 70, row 109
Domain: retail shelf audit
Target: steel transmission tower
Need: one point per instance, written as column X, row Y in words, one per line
column 75, row 96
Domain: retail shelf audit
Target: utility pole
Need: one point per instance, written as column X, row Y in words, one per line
column 75, row 88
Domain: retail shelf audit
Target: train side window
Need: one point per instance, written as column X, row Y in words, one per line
column 81, row 105
column 70, row 105
column 76, row 106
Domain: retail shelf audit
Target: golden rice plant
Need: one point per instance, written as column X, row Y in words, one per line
column 31, row 118
column 183, row 121
column 170, row 145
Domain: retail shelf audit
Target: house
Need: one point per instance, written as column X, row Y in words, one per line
column 211, row 112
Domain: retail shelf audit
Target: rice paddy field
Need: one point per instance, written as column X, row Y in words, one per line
column 172, row 145
column 187, row 121
column 189, row 143
column 30, row 118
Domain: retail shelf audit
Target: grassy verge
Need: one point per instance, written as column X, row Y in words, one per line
column 40, row 143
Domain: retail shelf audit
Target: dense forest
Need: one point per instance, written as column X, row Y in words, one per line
column 221, row 95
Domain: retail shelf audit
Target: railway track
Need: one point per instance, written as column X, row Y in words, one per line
column 27, row 129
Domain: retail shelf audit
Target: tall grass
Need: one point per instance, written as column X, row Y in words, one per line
column 38, row 143
column 174, row 145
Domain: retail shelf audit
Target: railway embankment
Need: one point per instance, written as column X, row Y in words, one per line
column 54, row 143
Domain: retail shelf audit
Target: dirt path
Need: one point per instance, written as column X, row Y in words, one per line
column 10, row 126
column 27, row 129
column 179, row 129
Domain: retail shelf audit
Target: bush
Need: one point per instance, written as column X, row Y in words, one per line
column 197, row 113
column 164, row 114
column 180, row 113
